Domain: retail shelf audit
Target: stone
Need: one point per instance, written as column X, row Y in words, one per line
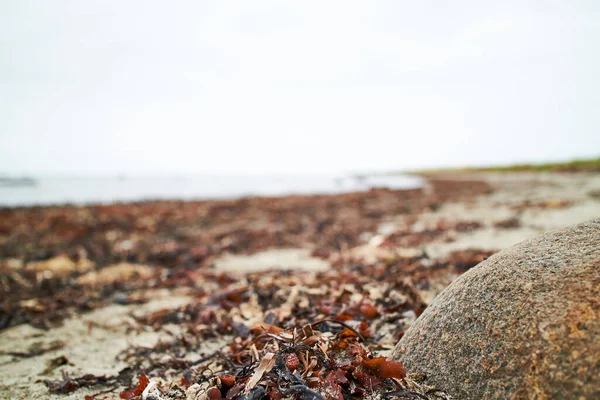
column 523, row 324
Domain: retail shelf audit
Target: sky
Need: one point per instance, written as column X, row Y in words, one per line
column 102, row 87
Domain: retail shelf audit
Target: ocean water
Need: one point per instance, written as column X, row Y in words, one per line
column 47, row 191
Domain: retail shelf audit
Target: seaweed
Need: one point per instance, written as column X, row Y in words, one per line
column 270, row 334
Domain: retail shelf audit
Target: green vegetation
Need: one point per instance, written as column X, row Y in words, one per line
column 581, row 165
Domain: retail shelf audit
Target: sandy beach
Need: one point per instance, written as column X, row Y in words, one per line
column 92, row 297
column 384, row 200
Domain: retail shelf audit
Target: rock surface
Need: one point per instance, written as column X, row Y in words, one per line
column 524, row 324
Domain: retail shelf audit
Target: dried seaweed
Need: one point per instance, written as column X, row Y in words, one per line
column 282, row 334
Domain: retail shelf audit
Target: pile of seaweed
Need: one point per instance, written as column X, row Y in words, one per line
column 280, row 334
column 271, row 334
column 193, row 233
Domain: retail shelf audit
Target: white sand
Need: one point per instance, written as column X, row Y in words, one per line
column 282, row 259
column 513, row 189
column 91, row 351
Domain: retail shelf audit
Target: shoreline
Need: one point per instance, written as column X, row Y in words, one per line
column 91, row 191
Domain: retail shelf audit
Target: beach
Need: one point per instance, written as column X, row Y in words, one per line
column 184, row 292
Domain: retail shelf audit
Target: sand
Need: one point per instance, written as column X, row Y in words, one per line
column 513, row 189
column 93, row 341
column 91, row 344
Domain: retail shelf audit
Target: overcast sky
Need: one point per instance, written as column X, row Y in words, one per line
column 146, row 87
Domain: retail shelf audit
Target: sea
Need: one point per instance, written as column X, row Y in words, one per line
column 80, row 190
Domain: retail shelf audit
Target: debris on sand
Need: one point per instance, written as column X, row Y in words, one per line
column 246, row 333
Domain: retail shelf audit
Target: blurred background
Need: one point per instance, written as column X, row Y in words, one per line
column 111, row 100
column 148, row 148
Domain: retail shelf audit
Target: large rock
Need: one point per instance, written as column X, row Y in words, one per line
column 524, row 324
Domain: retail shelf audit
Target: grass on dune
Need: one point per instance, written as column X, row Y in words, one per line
column 580, row 165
